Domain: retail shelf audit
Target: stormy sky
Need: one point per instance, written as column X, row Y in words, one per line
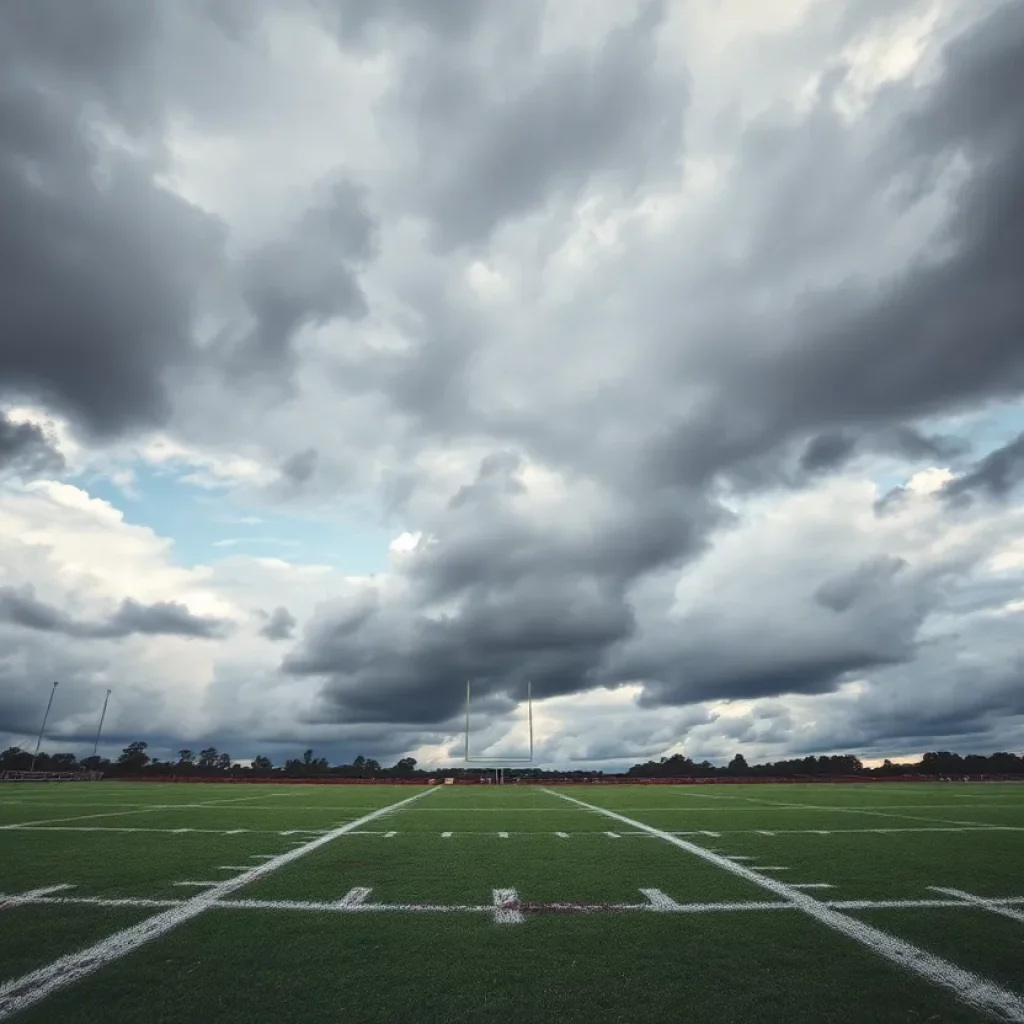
column 666, row 355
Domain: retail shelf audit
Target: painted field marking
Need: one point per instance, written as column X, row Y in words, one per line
column 355, row 901
column 354, row 897
column 31, row 895
column 506, row 907
column 562, row 835
column 812, row 885
column 446, row 835
column 659, row 901
column 738, row 856
column 981, row 902
column 612, row 835
column 152, row 809
column 503, row 835
column 390, row 835
column 969, row 987
column 768, row 867
column 714, row 835
column 763, row 832
column 264, row 856
column 20, row 993
column 198, row 883
column 847, row 810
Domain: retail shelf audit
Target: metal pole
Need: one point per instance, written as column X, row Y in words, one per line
column 103, row 714
column 529, row 704
column 46, row 715
column 467, row 719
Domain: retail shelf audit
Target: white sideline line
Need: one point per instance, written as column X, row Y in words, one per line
column 612, row 835
column 967, row 986
column 233, row 867
column 20, row 993
column 505, row 907
column 389, row 835
column 812, row 885
column 503, row 835
column 768, row 867
column 714, row 835
column 763, row 832
column 198, row 883
column 737, row 856
column 980, row 901
column 562, row 835
column 446, row 835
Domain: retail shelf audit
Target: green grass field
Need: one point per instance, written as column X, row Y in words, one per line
column 126, row 902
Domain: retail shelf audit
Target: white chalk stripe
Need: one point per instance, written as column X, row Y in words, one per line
column 969, row 987
column 763, row 832
column 737, row 856
column 389, row 835
column 503, row 835
column 20, row 993
column 32, row 895
column 659, row 901
column 768, row 867
column 354, row 897
column 353, row 905
column 981, row 903
column 506, row 909
column 233, row 867
column 198, row 884
column 714, row 835
column 446, row 835
column 812, row 885
column 612, row 835
column 562, row 835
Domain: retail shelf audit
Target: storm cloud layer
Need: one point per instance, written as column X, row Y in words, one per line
column 679, row 347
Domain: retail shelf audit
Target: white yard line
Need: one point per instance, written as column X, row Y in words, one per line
column 152, row 809
column 355, row 901
column 970, row 988
column 981, row 902
column 20, row 993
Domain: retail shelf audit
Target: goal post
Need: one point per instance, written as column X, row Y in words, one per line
column 499, row 761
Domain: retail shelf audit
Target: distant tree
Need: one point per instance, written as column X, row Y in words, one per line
column 186, row 757
column 63, row 762
column 261, row 763
column 405, row 766
column 224, row 761
column 134, row 756
column 208, row 758
column 738, row 766
column 15, row 759
column 371, row 765
column 359, row 762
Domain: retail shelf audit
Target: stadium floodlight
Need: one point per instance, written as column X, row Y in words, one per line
column 46, row 715
column 500, row 759
column 99, row 729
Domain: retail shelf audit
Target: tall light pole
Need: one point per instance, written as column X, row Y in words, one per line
column 103, row 714
column 49, row 704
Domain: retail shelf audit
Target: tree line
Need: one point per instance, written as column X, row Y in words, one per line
column 134, row 761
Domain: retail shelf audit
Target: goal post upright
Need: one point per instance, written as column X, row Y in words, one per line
column 499, row 760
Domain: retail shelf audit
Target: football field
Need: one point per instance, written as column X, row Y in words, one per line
column 127, row 902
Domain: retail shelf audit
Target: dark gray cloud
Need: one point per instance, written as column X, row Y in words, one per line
column 297, row 469
column 99, row 266
column 25, row 447
column 842, row 592
column 995, row 476
column 280, row 625
column 495, row 147
column 20, row 607
column 308, row 277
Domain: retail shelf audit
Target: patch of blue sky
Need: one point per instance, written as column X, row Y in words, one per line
column 207, row 524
